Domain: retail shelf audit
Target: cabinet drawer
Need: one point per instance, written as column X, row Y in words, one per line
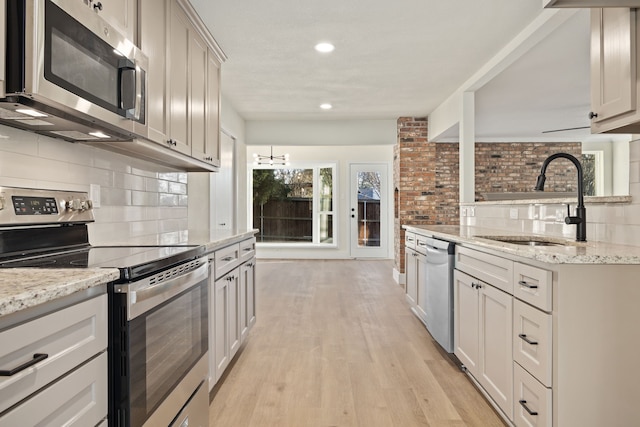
column 532, row 401
column 410, row 240
column 226, row 259
column 421, row 244
column 68, row 337
column 247, row 249
column 533, row 285
column 489, row 268
column 79, row 399
column 532, row 341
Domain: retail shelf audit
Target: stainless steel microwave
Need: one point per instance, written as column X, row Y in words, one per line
column 71, row 75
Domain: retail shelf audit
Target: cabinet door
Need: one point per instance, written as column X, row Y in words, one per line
column 122, row 14
column 495, row 371
column 154, row 41
column 247, row 303
column 613, row 59
column 221, row 316
column 411, row 276
column 465, row 322
column 179, row 79
column 197, row 93
column 234, row 312
column 212, row 146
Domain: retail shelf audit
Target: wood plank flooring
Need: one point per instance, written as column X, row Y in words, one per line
column 336, row 345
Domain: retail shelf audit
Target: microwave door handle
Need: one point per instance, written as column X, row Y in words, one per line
column 127, row 83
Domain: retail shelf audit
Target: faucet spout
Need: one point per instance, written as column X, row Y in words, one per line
column 580, row 219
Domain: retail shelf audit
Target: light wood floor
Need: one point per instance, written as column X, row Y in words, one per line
column 336, row 345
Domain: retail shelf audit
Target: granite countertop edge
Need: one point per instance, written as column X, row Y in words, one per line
column 22, row 288
column 572, row 253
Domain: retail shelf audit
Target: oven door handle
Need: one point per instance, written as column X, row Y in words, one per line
column 144, row 295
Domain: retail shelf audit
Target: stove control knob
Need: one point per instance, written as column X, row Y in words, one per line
column 2, row 202
column 89, row 204
column 76, row 204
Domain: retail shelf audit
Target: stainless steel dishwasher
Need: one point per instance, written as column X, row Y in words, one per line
column 438, row 295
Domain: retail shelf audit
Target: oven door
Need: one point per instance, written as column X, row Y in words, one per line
column 159, row 345
column 70, row 58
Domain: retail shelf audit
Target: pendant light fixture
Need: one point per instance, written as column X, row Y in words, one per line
column 271, row 160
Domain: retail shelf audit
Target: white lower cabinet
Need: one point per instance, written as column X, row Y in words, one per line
column 533, row 403
column 247, row 298
column 59, row 364
column 232, row 311
column 483, row 336
column 79, row 399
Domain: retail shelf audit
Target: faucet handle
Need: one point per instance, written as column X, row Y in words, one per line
column 571, row 219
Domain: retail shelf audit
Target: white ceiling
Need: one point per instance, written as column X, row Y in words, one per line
column 398, row 58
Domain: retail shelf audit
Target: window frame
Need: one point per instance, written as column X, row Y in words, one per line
column 315, row 166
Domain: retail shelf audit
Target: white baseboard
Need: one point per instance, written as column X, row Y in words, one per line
column 398, row 277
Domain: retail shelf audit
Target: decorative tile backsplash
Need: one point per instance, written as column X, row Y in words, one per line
column 617, row 223
column 138, row 199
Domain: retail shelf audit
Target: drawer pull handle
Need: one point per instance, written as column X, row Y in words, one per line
column 228, row 258
column 527, row 285
column 38, row 357
column 523, row 403
column 527, row 340
column 247, row 249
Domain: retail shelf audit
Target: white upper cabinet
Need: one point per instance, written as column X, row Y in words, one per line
column 614, row 65
column 122, row 14
column 183, row 80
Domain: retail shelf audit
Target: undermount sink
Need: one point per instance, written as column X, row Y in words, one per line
column 529, row 240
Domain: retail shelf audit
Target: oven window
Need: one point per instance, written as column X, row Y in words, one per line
column 166, row 343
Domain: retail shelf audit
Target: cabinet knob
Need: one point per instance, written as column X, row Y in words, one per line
column 97, row 7
column 592, row 115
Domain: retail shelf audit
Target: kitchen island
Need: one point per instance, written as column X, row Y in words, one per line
column 547, row 333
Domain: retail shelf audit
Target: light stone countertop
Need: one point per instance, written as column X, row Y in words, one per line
column 570, row 252
column 22, row 288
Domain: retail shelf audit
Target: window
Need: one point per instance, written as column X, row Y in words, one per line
column 593, row 176
column 294, row 205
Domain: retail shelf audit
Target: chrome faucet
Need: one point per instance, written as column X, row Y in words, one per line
column 580, row 220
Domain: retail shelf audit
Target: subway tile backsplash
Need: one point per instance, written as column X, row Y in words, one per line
column 138, row 199
column 617, row 223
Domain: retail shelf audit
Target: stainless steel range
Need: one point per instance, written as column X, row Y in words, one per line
column 158, row 333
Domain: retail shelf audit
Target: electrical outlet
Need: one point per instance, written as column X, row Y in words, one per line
column 559, row 215
column 94, row 195
column 471, row 211
column 513, row 213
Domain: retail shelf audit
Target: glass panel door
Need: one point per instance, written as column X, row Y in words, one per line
column 368, row 210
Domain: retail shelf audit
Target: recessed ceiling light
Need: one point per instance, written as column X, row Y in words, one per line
column 325, row 47
column 326, row 106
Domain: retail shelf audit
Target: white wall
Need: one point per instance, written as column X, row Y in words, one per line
column 343, row 156
column 235, row 126
column 140, row 201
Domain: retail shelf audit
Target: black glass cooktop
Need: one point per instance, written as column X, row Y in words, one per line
column 133, row 261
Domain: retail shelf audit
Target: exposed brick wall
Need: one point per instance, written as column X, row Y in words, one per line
column 514, row 167
column 426, row 180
